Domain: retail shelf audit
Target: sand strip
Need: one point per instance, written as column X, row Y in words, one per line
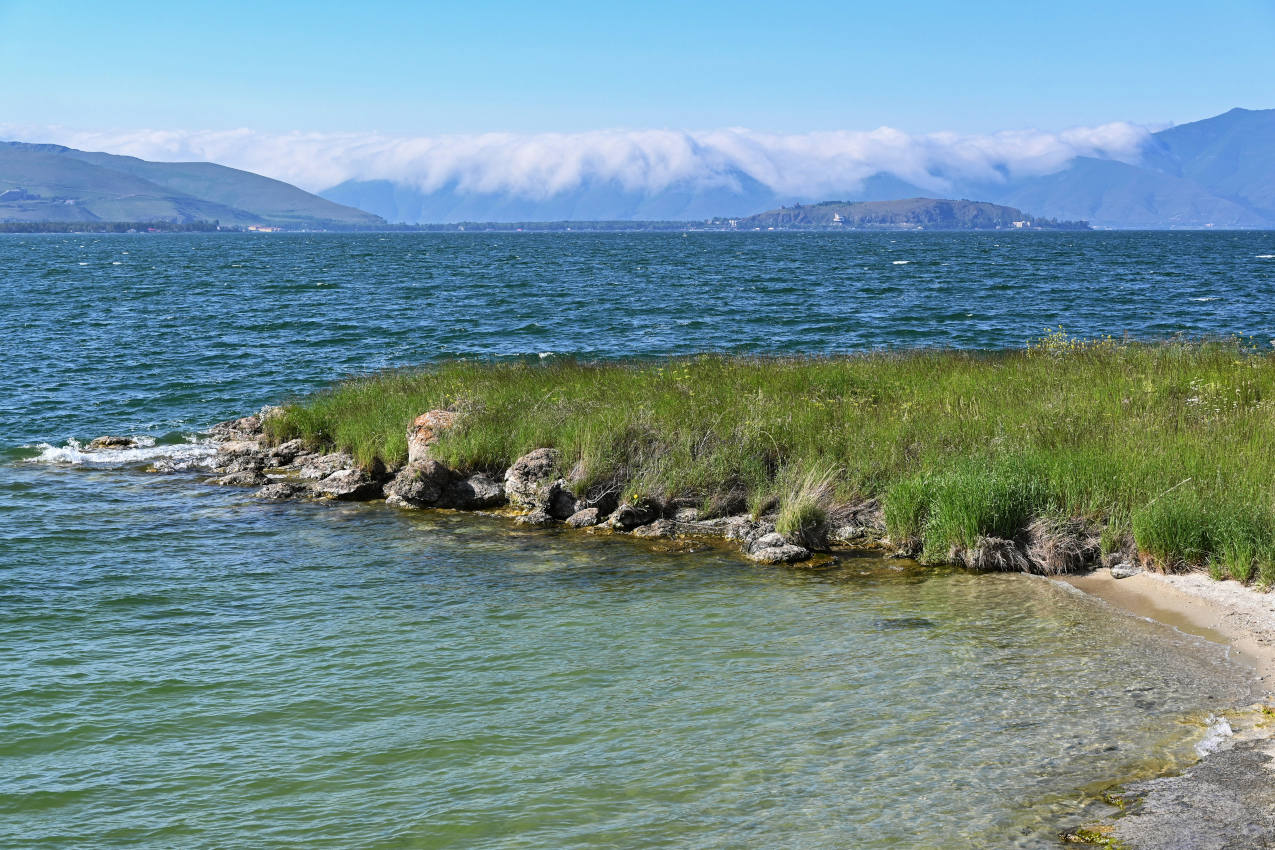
column 1221, row 611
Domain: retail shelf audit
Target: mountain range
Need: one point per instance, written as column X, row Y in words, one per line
column 1216, row 172
column 54, row 183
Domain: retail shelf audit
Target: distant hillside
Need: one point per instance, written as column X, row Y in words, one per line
column 1217, row 172
column 910, row 214
column 54, row 183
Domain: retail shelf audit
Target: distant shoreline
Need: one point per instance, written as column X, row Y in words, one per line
column 579, row 227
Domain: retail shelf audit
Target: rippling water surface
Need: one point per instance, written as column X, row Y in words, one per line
column 181, row 665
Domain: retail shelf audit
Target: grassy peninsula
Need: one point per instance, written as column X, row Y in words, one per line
column 1170, row 446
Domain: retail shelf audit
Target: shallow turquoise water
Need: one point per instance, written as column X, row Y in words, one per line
column 181, row 665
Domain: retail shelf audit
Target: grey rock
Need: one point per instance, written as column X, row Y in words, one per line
column 247, row 478
column 527, row 482
column 786, row 553
column 285, row 490
column 661, row 528
column 584, row 518
column 769, row 541
column 348, row 485
column 473, row 493
column 562, row 503
column 1226, row 801
column 286, row 453
column 686, row 515
column 1125, row 570
column 245, row 463
column 538, row 517
column 324, row 465
column 632, row 514
column 419, row 485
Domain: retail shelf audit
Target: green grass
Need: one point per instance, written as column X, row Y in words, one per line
column 1171, row 444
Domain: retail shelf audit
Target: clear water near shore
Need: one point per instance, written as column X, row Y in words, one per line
column 185, row 666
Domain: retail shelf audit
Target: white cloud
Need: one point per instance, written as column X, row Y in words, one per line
column 537, row 166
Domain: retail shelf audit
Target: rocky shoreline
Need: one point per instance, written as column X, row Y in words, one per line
column 535, row 493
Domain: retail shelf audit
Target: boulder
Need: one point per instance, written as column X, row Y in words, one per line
column 632, row 514
column 584, row 518
column 419, row 485
column 285, row 490
column 425, row 431
column 473, row 493
column 245, row 427
column 561, row 502
column 538, row 517
column 349, row 485
column 786, row 553
column 322, row 466
column 528, row 481
column 285, row 453
column 772, row 547
column 108, row 441
column 245, row 463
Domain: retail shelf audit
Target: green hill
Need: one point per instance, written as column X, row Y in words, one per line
column 55, row 183
column 909, row 214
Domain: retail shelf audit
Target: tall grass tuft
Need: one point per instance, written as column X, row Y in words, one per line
column 803, row 507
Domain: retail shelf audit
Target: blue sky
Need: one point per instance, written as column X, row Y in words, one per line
column 466, row 67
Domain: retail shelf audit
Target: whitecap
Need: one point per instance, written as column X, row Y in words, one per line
column 84, row 264
column 1218, row 731
column 900, row 262
column 1206, row 298
column 1266, row 256
column 180, row 456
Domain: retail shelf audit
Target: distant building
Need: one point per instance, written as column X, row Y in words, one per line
column 1022, row 224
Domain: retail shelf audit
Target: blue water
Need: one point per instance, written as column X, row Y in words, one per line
column 182, row 665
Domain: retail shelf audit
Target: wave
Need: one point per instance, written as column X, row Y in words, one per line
column 1206, row 298
column 1266, row 256
column 178, row 456
column 1219, row 730
column 900, row 262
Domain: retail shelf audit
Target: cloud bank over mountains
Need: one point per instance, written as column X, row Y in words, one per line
column 537, row 167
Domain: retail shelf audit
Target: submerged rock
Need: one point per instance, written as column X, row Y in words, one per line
column 425, row 431
column 660, row 528
column 107, row 441
column 244, row 478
